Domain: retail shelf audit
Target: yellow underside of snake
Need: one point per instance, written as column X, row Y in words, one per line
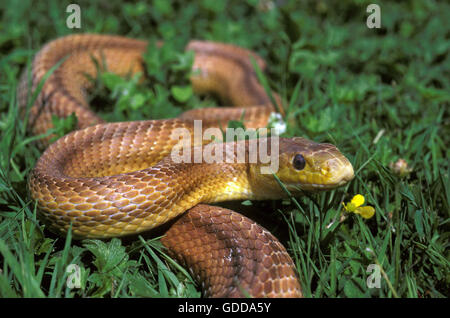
column 116, row 179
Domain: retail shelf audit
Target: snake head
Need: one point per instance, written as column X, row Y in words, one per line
column 305, row 165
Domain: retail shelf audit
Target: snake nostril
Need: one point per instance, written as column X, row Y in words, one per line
column 325, row 170
column 333, row 165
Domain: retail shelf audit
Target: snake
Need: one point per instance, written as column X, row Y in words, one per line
column 117, row 179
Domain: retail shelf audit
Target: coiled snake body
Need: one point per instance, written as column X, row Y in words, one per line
column 114, row 179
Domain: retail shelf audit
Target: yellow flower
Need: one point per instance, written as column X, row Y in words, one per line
column 366, row 211
column 355, row 206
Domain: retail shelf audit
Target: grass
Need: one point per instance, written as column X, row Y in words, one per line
column 378, row 94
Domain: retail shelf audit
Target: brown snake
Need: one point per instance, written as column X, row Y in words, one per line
column 115, row 179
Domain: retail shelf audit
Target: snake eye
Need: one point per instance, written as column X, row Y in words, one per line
column 299, row 162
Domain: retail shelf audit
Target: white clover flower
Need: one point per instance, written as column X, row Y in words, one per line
column 277, row 124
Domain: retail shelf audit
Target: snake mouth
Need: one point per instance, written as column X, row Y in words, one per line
column 345, row 175
column 337, row 172
column 340, row 177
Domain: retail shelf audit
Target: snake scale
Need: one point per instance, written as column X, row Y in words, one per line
column 117, row 179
